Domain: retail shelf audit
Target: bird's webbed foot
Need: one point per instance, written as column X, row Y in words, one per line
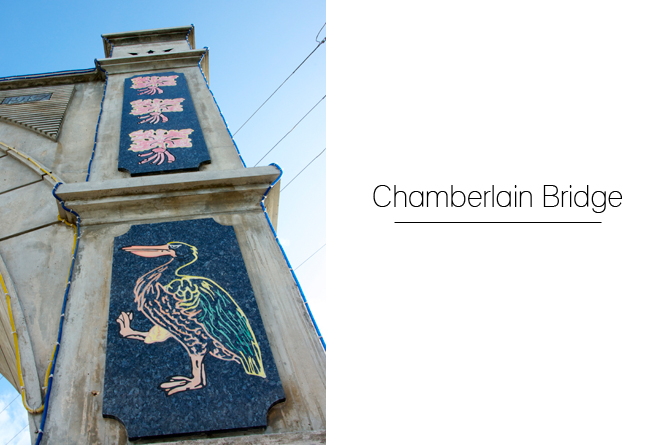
column 180, row 383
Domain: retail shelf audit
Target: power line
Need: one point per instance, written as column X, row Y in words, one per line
column 296, row 268
column 317, row 47
column 6, row 406
column 317, row 35
column 284, row 188
column 324, row 96
column 10, row 440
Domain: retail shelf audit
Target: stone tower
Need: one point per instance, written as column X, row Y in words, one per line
column 179, row 316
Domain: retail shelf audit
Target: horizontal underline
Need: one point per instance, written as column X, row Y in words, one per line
column 498, row 222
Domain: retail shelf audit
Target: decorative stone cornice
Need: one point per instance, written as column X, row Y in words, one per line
column 152, row 62
column 179, row 33
column 50, row 79
column 171, row 195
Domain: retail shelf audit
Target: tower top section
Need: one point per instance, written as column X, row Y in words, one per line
column 152, row 50
column 150, row 41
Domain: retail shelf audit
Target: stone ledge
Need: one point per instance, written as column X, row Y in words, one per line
column 301, row 438
column 50, row 79
column 170, row 195
column 148, row 36
column 161, row 61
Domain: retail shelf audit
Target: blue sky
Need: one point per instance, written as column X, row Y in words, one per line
column 253, row 47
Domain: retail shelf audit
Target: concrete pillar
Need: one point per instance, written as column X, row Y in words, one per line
column 36, row 248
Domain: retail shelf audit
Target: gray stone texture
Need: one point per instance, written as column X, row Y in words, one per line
column 78, row 133
column 15, row 174
column 38, row 264
column 34, row 208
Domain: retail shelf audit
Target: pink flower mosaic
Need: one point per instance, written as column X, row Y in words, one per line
column 150, row 84
column 155, row 109
column 158, row 141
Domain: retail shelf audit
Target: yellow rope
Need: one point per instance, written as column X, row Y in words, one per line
column 18, row 356
column 48, row 373
column 31, row 160
column 69, row 224
column 16, row 341
column 9, row 306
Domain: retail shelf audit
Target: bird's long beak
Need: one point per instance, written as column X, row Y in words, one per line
column 151, row 251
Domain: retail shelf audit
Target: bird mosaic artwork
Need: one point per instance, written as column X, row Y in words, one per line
column 195, row 311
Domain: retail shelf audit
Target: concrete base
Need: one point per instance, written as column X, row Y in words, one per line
column 306, row 438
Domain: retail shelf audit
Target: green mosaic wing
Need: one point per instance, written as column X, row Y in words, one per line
column 227, row 324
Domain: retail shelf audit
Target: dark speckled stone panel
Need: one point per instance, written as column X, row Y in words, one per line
column 231, row 398
column 160, row 131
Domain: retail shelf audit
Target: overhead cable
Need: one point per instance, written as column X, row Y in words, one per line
column 23, row 429
column 284, row 188
column 324, row 245
column 317, row 47
column 324, row 96
column 317, row 35
column 7, row 406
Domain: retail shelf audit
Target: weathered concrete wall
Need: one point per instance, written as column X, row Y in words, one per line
column 34, row 245
column 77, row 136
column 35, row 207
column 69, row 157
column 38, row 263
column 15, row 174
column 29, row 142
